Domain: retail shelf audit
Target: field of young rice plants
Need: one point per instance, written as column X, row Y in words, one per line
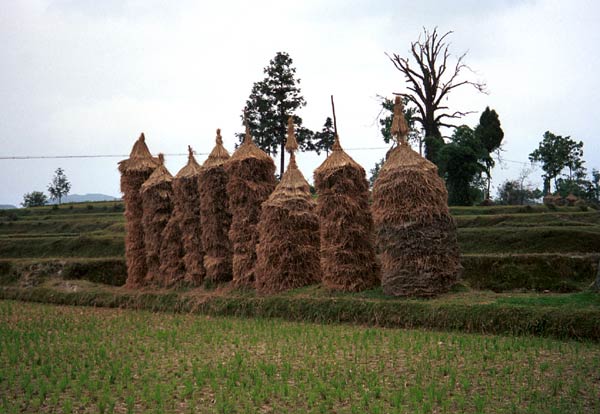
column 71, row 359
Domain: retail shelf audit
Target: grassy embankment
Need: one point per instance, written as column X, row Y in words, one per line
column 504, row 248
column 70, row 359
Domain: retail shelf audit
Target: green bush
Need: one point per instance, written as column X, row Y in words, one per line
column 109, row 272
column 556, row 273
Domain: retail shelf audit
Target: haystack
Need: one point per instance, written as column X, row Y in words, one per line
column 416, row 236
column 348, row 258
column 214, row 215
column 186, row 198
column 288, row 250
column 157, row 194
column 251, row 175
column 134, row 172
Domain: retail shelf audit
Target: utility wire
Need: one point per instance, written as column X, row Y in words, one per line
column 43, row 157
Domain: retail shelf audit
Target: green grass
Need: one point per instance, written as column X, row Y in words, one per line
column 70, row 359
column 465, row 310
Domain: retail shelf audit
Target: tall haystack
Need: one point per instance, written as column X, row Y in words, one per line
column 214, row 214
column 287, row 255
column 134, row 171
column 157, row 194
column 416, row 235
column 251, row 175
column 187, row 211
column 348, row 258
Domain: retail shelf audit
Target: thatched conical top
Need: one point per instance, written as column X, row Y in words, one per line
column 337, row 159
column 399, row 129
column 192, row 168
column 159, row 176
column 248, row 149
column 140, row 158
column 293, row 185
column 218, row 155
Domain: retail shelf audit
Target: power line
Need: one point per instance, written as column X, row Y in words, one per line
column 43, row 157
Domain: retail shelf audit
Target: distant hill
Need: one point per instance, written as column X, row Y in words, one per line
column 6, row 206
column 81, row 198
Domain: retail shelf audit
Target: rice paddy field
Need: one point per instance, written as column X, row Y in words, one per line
column 79, row 359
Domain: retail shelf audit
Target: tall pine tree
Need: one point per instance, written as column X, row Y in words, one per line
column 271, row 102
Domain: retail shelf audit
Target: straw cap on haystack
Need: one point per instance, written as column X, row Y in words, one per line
column 292, row 184
column 218, row 155
column 288, row 248
column 139, row 158
column 159, row 176
column 248, row 149
column 192, row 168
column 338, row 158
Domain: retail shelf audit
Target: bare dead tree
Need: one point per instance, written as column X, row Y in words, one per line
column 431, row 77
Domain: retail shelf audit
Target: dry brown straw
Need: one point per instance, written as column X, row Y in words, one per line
column 157, row 197
column 416, row 236
column 214, row 215
column 348, row 259
column 288, row 248
column 134, row 172
column 251, row 179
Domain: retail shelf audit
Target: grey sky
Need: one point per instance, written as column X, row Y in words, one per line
column 86, row 77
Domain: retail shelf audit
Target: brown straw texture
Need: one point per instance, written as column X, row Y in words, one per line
column 416, row 235
column 157, row 207
column 251, row 175
column 288, row 248
column 348, row 258
column 186, row 198
column 214, row 215
column 134, row 172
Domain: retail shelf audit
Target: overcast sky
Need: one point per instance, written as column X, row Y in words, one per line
column 85, row 77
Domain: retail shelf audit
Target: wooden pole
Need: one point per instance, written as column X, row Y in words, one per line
column 334, row 120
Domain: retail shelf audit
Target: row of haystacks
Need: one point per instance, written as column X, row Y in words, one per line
column 251, row 179
column 288, row 248
column 416, row 235
column 229, row 220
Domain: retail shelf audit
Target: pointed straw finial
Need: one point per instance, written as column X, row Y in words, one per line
column 247, row 137
column 336, row 144
column 291, row 144
column 399, row 129
column 219, row 139
column 190, row 152
column 161, row 158
column 142, row 137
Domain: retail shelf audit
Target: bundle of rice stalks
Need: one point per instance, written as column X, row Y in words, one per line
column 288, row 248
column 416, row 236
column 134, row 171
column 214, row 215
column 157, row 207
column 186, row 198
column 348, row 258
column 172, row 269
column 251, row 175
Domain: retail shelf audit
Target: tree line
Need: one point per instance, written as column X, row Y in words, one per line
column 465, row 159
